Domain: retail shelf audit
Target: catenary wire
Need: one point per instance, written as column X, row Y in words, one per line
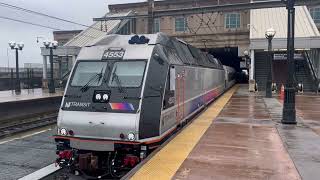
column 45, row 15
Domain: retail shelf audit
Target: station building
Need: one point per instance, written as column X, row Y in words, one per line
column 237, row 38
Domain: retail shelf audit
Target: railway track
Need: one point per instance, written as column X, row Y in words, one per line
column 21, row 125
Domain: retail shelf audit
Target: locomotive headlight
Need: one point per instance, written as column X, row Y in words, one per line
column 105, row 97
column 63, row 132
column 131, row 137
column 98, row 97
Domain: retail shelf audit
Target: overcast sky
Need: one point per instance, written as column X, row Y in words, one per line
column 81, row 11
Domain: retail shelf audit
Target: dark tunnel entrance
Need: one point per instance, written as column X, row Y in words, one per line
column 229, row 57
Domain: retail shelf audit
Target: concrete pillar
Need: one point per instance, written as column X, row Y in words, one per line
column 45, row 68
column 252, row 81
column 45, row 73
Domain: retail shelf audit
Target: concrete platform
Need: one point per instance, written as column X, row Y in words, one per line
column 240, row 137
column 27, row 94
column 26, row 153
column 27, row 104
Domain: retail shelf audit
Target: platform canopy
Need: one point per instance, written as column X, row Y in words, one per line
column 307, row 35
column 95, row 32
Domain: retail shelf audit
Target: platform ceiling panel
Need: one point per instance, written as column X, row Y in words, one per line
column 306, row 32
column 94, row 32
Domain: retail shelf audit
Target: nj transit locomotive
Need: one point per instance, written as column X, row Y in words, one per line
column 126, row 94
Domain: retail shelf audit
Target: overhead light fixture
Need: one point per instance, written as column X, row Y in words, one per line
column 20, row 45
column 12, row 44
column 270, row 33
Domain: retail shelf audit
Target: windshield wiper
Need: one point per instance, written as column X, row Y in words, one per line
column 119, row 85
column 94, row 78
column 115, row 76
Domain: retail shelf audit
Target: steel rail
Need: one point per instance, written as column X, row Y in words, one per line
column 27, row 124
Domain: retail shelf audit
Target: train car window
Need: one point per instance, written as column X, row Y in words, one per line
column 127, row 74
column 172, row 78
column 169, row 96
column 89, row 71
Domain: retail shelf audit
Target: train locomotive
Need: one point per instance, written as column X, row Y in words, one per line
column 126, row 94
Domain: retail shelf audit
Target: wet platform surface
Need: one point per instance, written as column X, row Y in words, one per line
column 241, row 143
column 308, row 108
column 27, row 94
column 26, row 153
column 245, row 139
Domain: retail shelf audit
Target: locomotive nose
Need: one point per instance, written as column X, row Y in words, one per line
column 99, row 126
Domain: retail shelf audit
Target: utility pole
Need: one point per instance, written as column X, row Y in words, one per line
column 289, row 107
column 150, row 16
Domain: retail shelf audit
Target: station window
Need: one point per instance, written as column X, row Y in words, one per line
column 156, row 25
column 232, row 20
column 125, row 30
column 315, row 14
column 181, row 24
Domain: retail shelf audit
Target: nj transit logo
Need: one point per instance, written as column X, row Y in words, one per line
column 77, row 104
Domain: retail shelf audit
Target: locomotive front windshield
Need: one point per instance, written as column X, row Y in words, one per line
column 127, row 74
column 89, row 72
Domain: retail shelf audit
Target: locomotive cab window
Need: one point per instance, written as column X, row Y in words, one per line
column 89, row 71
column 127, row 74
column 169, row 100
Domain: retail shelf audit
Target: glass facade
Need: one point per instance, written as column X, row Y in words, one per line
column 181, row 24
column 232, row 20
column 315, row 14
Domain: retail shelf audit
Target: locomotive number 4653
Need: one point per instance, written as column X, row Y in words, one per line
column 113, row 54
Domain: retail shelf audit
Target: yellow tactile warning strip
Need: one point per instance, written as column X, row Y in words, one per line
column 167, row 161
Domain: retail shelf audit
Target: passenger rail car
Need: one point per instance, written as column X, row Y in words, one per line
column 126, row 94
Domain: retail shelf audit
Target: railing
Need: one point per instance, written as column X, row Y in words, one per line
column 312, row 70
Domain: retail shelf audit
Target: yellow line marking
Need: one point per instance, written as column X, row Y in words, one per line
column 167, row 161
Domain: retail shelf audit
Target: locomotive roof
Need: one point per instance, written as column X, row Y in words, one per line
column 186, row 53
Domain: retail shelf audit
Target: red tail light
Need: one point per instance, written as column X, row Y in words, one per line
column 131, row 160
column 66, row 154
